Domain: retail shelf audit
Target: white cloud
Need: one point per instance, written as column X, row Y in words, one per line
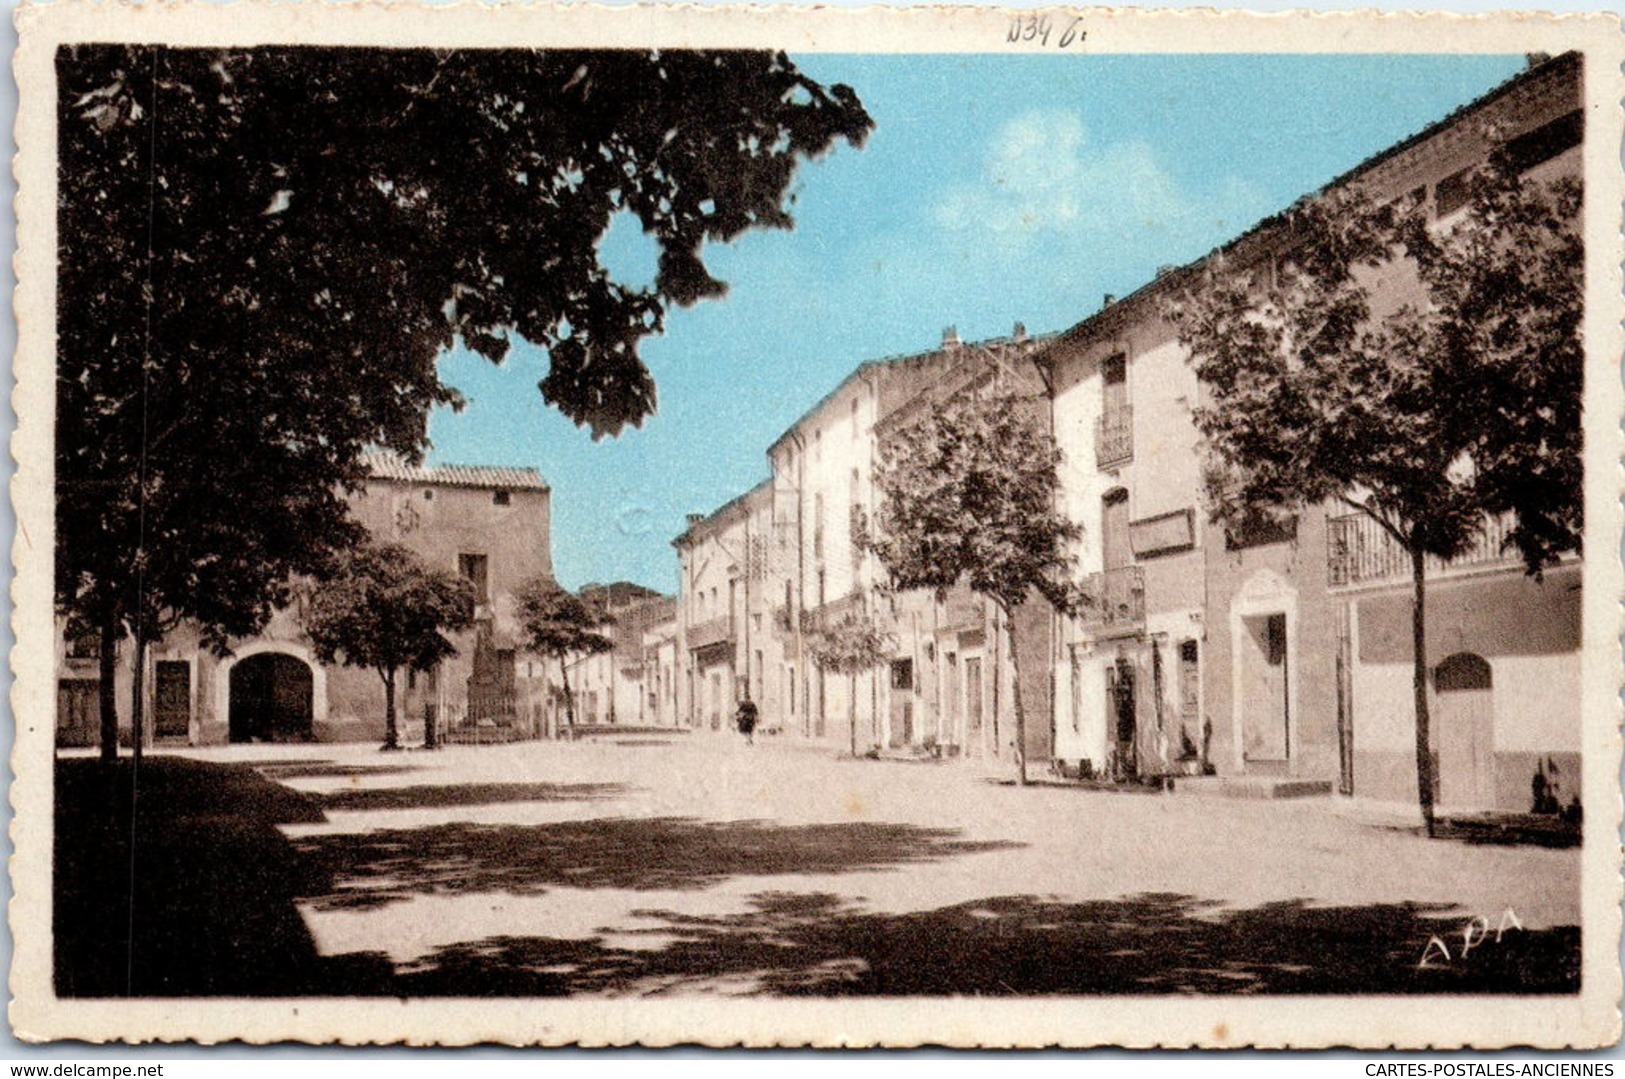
column 1044, row 178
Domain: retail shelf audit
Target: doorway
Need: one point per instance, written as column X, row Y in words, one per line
column 1264, row 687
column 172, row 699
column 1120, row 705
column 1464, row 731
column 973, row 704
column 272, row 699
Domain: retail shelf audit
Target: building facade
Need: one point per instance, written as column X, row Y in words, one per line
column 490, row 525
column 622, row 686
column 767, row 574
column 1281, row 651
column 726, row 648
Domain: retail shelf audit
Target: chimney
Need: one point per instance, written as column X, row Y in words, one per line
column 694, row 518
column 1019, row 334
column 1108, row 300
column 950, row 337
column 1166, row 269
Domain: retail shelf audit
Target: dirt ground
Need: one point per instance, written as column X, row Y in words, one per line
column 701, row 864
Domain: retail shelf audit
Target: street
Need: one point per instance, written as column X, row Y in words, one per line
column 700, row 864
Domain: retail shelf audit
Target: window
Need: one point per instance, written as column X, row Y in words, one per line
column 1114, row 430
column 1257, row 530
column 1545, row 143
column 1114, row 377
column 902, row 674
column 1190, row 695
column 475, row 568
column 501, row 498
column 1450, row 194
column 428, row 494
column 85, row 646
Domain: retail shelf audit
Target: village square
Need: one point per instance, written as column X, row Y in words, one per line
column 1137, row 654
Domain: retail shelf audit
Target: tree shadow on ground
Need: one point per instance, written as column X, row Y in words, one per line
column 1500, row 830
column 467, row 794
column 326, row 769
column 177, row 884
column 371, row 869
column 192, row 891
column 818, row 945
column 1512, row 829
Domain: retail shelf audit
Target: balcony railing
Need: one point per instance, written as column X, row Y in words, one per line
column 819, row 619
column 1359, row 551
column 1114, row 601
column 708, row 633
column 1114, row 436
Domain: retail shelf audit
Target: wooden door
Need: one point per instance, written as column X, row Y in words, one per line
column 1264, row 687
column 78, row 712
column 973, row 703
column 1464, row 732
column 172, row 699
column 1115, row 550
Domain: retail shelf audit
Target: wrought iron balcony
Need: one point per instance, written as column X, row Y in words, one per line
column 819, row 619
column 1114, row 601
column 1114, row 436
column 1359, row 551
column 708, row 633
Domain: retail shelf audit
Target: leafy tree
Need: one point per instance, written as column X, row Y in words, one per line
column 264, row 251
column 563, row 625
column 383, row 609
column 852, row 645
column 968, row 495
column 1428, row 414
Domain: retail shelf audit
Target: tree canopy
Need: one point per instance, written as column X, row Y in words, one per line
column 263, row 252
column 968, row 497
column 384, row 610
column 563, row 625
column 1426, row 373
column 851, row 645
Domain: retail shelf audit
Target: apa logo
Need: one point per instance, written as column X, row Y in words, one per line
column 1474, row 933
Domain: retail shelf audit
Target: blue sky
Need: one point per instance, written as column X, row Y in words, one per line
column 994, row 189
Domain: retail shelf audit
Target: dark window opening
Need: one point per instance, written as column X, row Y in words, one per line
column 1451, row 193
column 475, row 568
column 1544, row 143
column 85, row 646
column 1258, row 530
column 501, row 498
column 902, row 674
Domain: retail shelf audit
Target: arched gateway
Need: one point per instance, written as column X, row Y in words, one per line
column 272, row 699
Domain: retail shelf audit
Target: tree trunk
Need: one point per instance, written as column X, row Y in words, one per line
column 1015, row 698
column 392, row 737
column 852, row 711
column 1419, row 681
column 569, row 697
column 431, row 737
column 138, row 692
column 106, row 697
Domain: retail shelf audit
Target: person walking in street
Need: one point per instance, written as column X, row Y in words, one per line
column 745, row 718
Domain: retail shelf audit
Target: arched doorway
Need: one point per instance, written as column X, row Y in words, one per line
column 272, row 699
column 1464, row 731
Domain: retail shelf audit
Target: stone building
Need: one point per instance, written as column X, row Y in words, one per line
column 616, row 686
column 1279, row 655
column 490, row 525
